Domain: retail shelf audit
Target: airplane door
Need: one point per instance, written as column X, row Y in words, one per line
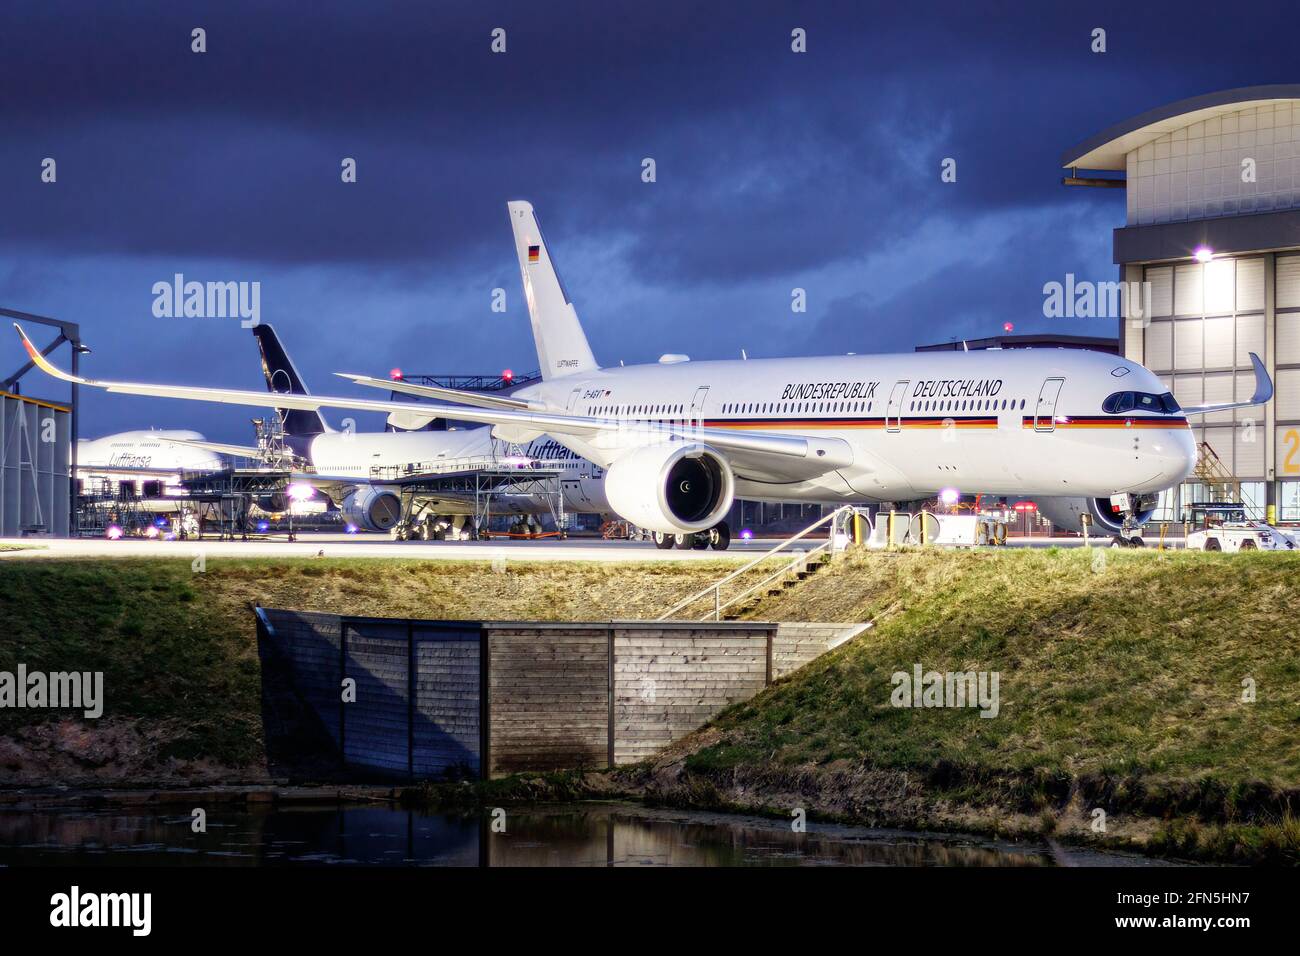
column 893, row 411
column 1045, row 410
column 697, row 406
column 575, row 496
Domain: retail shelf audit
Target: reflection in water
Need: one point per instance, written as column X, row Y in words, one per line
column 606, row 834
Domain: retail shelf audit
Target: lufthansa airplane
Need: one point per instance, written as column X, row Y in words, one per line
column 679, row 439
column 348, row 466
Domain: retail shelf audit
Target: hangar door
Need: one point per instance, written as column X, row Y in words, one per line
column 1045, row 410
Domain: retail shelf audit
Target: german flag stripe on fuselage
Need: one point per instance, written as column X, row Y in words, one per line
column 1110, row 421
column 980, row 421
column 944, row 421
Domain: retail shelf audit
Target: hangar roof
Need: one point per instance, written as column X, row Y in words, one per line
column 1108, row 149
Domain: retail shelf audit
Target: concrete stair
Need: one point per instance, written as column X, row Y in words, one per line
column 776, row 589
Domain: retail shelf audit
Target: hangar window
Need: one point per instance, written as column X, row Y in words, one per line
column 1120, row 402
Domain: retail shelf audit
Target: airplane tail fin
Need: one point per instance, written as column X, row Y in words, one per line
column 282, row 377
column 562, row 347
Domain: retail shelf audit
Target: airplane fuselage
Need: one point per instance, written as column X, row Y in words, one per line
column 159, row 454
column 1023, row 421
column 368, row 456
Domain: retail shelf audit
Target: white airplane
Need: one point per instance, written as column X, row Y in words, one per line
column 152, row 455
column 144, row 454
column 344, row 462
column 679, row 440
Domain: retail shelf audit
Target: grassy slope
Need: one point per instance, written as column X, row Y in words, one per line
column 178, row 645
column 1121, row 681
column 1126, row 673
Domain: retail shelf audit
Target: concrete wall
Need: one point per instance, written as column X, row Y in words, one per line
column 308, row 645
column 432, row 698
column 671, row 678
column 549, row 696
column 448, row 724
column 797, row 644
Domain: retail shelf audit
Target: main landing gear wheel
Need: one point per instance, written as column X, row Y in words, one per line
column 701, row 540
column 1136, row 542
column 720, row 536
column 684, row 542
column 663, row 541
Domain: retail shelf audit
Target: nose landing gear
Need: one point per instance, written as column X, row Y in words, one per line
column 1134, row 512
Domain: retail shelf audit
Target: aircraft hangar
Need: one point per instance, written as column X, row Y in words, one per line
column 1213, row 225
column 38, row 440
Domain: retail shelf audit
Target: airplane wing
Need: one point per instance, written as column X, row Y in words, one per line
column 221, row 448
column 782, row 457
column 1263, row 392
column 435, row 391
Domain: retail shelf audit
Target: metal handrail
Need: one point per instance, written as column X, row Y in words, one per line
column 800, row 560
column 716, row 587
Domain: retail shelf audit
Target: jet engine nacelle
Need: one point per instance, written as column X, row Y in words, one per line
column 674, row 489
column 1107, row 518
column 371, row 508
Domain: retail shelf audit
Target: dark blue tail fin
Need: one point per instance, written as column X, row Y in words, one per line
column 282, row 377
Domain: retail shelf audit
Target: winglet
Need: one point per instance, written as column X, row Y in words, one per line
column 1263, row 384
column 1263, row 392
column 40, row 361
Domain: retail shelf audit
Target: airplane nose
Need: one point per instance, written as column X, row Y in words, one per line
column 1178, row 455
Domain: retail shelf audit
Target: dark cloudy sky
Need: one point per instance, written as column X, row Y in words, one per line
column 775, row 171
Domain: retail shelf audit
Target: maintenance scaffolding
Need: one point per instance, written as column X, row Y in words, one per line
column 222, row 501
column 103, row 504
column 488, row 482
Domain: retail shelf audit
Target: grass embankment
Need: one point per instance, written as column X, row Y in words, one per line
column 1121, row 685
column 1120, row 682
column 178, row 648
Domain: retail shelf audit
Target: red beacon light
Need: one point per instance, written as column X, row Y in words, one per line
column 395, row 374
column 508, row 375
column 1008, row 326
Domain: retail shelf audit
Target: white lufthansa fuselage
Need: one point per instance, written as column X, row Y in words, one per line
column 158, row 454
column 145, row 455
column 998, row 422
column 356, row 454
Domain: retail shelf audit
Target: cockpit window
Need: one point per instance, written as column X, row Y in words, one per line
column 1119, row 403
